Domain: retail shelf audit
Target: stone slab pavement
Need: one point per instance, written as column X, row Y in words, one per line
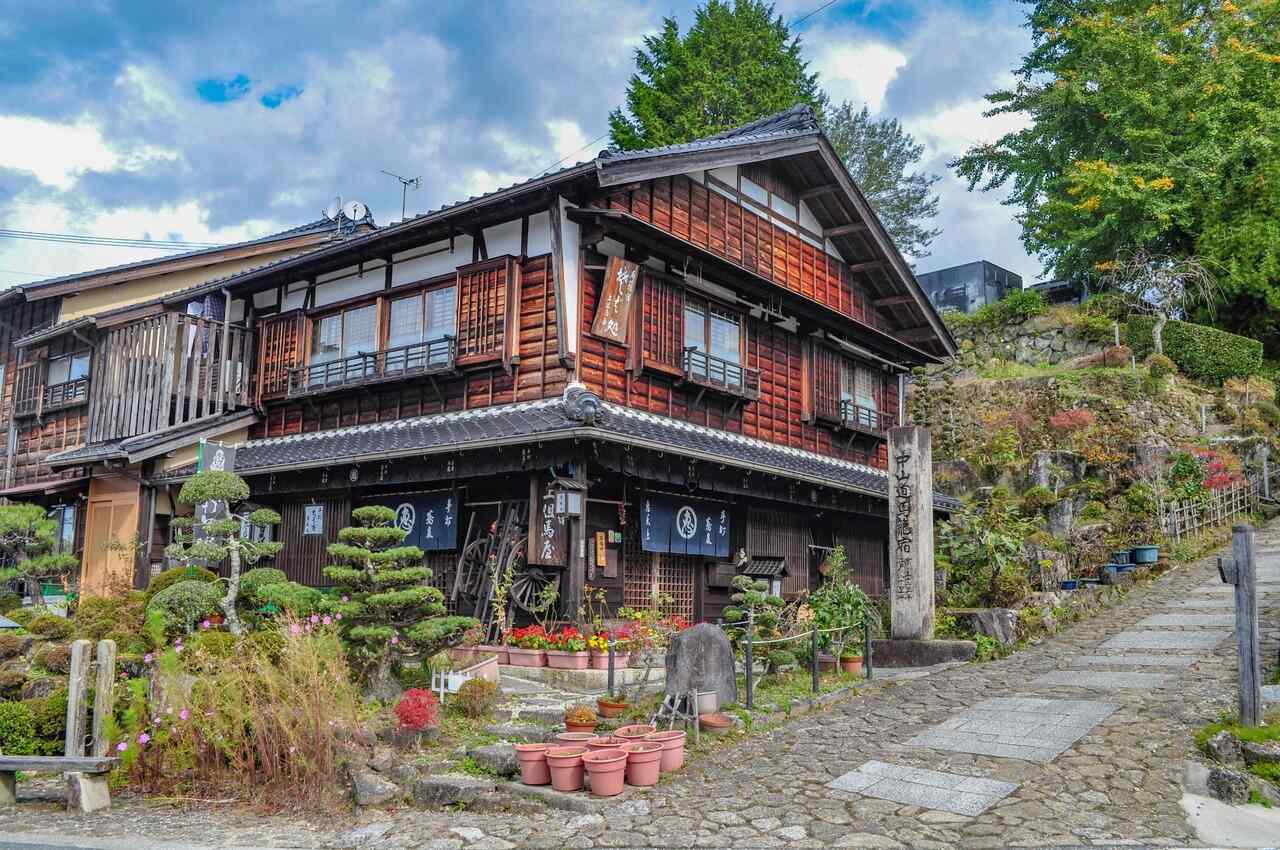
column 1120, row 781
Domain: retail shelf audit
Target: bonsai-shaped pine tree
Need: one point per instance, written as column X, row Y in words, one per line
column 212, row 540
column 28, row 542
column 752, row 597
column 389, row 612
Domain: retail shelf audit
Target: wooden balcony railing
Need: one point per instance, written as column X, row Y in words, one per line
column 52, row 397
column 433, row 357
column 721, row 376
column 866, row 419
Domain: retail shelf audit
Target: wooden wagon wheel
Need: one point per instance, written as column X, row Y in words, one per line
column 528, row 586
column 472, row 568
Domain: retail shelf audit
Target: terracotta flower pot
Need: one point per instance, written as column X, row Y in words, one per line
column 827, row 663
column 463, row 654
column 533, row 763
column 500, row 651
column 588, row 728
column 611, row 708
column 851, row 665
column 565, row 764
column 672, row 748
column 527, row 657
column 574, row 739
column 216, row 618
column 718, row 722
column 634, row 733
column 599, row 660
column 608, row 768
column 644, row 762
column 559, row 659
column 603, row 742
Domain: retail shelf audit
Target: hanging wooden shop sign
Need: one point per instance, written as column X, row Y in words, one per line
column 429, row 520
column 617, row 300
column 684, row 526
column 548, row 533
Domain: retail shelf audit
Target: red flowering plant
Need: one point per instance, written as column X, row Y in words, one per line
column 568, row 639
column 529, row 637
column 1066, row 422
column 418, row 709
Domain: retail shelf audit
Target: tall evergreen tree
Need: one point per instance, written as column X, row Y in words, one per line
column 738, row 62
column 1153, row 127
column 881, row 156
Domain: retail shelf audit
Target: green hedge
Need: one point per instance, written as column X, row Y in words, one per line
column 1202, row 352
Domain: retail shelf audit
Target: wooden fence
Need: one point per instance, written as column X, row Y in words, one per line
column 1192, row 518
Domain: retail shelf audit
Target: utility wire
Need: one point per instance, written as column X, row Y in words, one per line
column 571, row 153
column 806, row 17
column 109, row 241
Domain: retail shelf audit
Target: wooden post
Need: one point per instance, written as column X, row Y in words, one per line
column 911, row 569
column 751, row 693
column 1245, row 576
column 813, row 648
column 866, row 647
column 78, row 697
column 611, row 663
column 103, row 695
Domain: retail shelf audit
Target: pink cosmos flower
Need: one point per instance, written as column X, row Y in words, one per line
column 346, row 598
column 144, row 738
column 327, row 620
column 204, row 625
column 294, row 629
column 337, row 616
column 184, row 714
column 121, row 747
column 177, row 650
column 146, row 659
column 395, row 639
column 315, row 618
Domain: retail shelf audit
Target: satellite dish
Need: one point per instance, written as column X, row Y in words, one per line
column 334, row 209
column 356, row 211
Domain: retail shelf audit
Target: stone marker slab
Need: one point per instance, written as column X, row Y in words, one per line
column 929, row 789
column 1229, row 602
column 1027, row 728
column 1134, row 660
column 1103, row 679
column 1188, row 620
column 1165, row 640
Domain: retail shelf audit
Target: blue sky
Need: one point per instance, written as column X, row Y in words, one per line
column 217, row 122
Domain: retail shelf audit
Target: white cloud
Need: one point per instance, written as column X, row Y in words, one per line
column 858, row 71
column 952, row 131
column 55, row 153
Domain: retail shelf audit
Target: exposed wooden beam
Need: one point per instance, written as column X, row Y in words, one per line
column 895, row 300
column 869, row 265
column 817, row 191
column 919, row 334
column 843, row 230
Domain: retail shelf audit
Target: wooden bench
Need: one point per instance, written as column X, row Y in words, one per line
column 88, row 783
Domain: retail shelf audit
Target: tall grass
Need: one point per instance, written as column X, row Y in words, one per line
column 264, row 720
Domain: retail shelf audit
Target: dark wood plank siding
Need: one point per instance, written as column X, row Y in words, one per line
column 778, row 416
column 691, row 211
column 536, row 372
column 303, row 557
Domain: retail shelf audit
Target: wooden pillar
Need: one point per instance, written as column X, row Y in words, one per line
column 103, row 696
column 576, row 573
column 78, row 697
column 911, row 532
column 1247, row 654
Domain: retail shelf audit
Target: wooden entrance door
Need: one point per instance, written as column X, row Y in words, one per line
column 111, row 530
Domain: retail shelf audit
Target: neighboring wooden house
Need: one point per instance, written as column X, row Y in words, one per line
column 100, row 376
column 645, row 373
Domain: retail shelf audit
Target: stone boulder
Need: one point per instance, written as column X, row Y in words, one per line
column 439, row 791
column 1263, row 752
column 373, row 790
column 1000, row 624
column 1229, row 786
column 1062, row 516
column 1223, row 747
column 43, row 686
column 520, row 733
column 700, row 658
column 496, row 758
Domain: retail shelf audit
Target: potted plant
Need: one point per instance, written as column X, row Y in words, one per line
column 527, row 647
column 644, row 762
column 851, row 661
column 598, row 645
column 565, row 764
column 567, row 650
column 608, row 769
column 580, row 718
column 611, row 706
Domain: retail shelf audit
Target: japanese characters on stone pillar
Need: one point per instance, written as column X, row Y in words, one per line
column 911, row 532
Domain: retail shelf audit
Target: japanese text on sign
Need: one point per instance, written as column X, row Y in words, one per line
column 617, row 296
column 684, row 526
column 904, row 577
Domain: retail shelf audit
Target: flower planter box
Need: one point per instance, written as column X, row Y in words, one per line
column 559, row 659
column 1145, row 554
column 527, row 657
column 500, row 651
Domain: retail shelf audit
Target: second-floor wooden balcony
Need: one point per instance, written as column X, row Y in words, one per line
column 34, row 399
column 718, row 375
column 429, row 358
column 165, row 371
column 867, row 420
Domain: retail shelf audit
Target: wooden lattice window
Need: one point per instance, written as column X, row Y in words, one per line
column 645, row 574
column 661, row 321
column 280, row 351
column 486, row 312
column 823, row 373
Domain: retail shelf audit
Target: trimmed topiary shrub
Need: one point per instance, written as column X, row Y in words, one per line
column 1093, row 510
column 1161, row 367
column 253, row 581
column 1204, row 353
column 55, row 657
column 477, row 697
column 49, row 716
column 184, row 604
column 168, row 578
column 51, row 626
column 214, row 643
column 17, row 729
column 11, row 682
column 11, row 645
column 1036, row 499
column 297, row 599
column 24, row 616
column 98, row 616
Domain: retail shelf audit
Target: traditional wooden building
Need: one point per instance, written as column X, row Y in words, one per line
column 645, row 373
column 99, row 376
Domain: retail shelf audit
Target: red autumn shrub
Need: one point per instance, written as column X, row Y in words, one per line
column 1066, row 421
column 418, row 709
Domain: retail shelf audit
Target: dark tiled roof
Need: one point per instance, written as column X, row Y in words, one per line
column 138, row 448
column 550, row 419
column 310, row 227
column 797, row 121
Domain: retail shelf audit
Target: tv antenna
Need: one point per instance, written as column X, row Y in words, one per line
column 405, row 184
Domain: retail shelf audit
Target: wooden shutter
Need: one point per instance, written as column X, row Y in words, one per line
column 281, row 350
column 485, row 306
column 824, row 383
column 661, row 325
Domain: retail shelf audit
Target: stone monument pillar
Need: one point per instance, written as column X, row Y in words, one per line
column 911, row 532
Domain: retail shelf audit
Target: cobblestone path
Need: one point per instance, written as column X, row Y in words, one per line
column 1083, row 740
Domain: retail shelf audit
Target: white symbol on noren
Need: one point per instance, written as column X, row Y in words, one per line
column 405, row 517
column 686, row 522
